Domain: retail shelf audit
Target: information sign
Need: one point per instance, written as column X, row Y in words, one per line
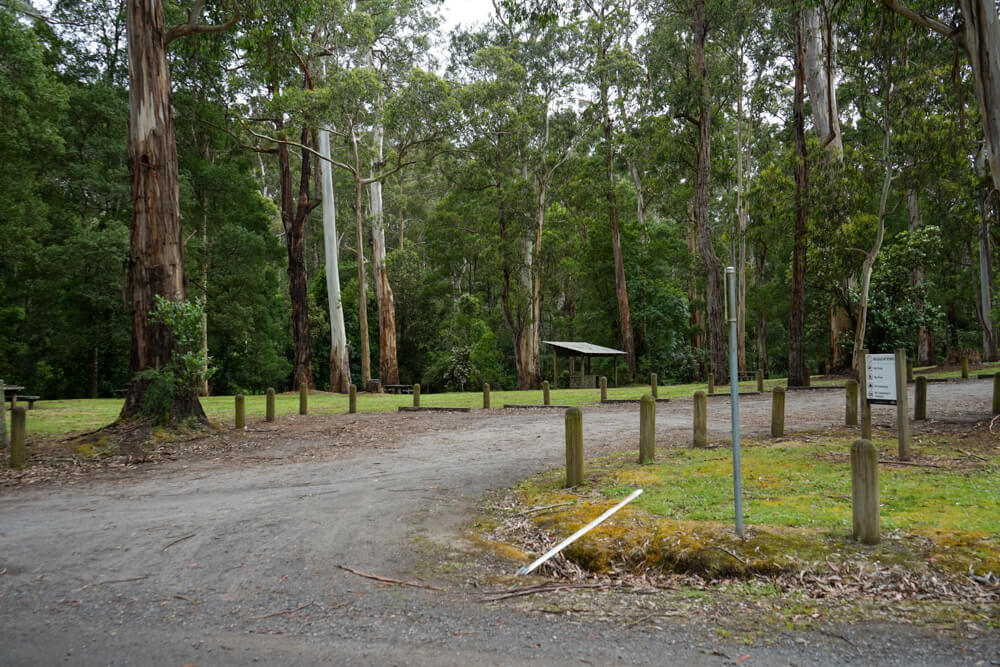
column 880, row 379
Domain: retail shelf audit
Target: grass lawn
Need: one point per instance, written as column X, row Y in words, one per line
column 60, row 418
column 943, row 512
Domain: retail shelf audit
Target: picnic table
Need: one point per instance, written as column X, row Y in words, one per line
column 399, row 388
column 10, row 393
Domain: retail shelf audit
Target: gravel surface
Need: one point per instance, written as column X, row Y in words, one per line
column 233, row 557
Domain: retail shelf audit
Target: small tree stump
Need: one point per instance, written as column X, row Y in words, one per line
column 303, row 399
column 864, row 492
column 574, row 447
column 920, row 399
column 647, row 429
column 18, row 437
column 486, row 396
column 269, row 405
column 777, row 412
column 965, row 368
column 352, row 399
column 851, row 405
column 546, row 397
column 711, row 383
column 654, row 384
column 604, row 388
column 241, row 411
column 700, row 438
column 416, row 395
column 760, row 381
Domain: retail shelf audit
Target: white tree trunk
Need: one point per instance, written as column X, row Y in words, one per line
column 388, row 365
column 821, row 77
column 982, row 41
column 340, row 369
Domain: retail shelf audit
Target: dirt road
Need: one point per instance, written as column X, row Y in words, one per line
column 234, row 559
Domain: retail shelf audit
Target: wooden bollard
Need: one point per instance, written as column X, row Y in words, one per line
column 902, row 407
column 416, row 395
column 486, row 395
column 777, row 412
column 3, row 418
column 996, row 394
column 352, row 399
column 604, row 388
column 574, row 447
column 269, row 405
column 920, row 399
column 546, row 397
column 909, row 370
column 241, row 411
column 864, row 492
column 711, row 383
column 700, row 419
column 965, row 368
column 18, row 437
column 851, row 405
column 654, row 383
column 647, row 429
column 760, row 381
column 303, row 399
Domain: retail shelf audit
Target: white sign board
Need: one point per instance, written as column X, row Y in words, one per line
column 880, row 378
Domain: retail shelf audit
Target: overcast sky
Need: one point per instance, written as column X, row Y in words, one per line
column 465, row 12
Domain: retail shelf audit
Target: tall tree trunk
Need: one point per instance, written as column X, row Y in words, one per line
column 925, row 337
column 706, row 246
column 388, row 365
column 156, row 248
column 204, row 289
column 796, row 315
column 366, row 362
column 979, row 35
column 293, row 218
column 340, row 367
column 985, row 297
column 821, row 77
column 982, row 42
column 763, row 363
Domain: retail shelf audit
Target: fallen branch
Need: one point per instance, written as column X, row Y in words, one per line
column 973, row 456
column 389, row 580
column 731, row 554
column 283, row 611
column 178, row 540
column 113, row 581
column 532, row 590
column 655, row 614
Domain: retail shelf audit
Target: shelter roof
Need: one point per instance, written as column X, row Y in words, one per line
column 588, row 349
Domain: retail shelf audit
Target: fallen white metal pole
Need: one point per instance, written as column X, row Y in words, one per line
column 580, row 533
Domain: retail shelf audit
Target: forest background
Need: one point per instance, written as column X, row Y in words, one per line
column 569, row 170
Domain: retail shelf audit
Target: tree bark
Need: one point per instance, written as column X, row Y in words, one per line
column 340, row 368
column 985, row 296
column 979, row 35
column 388, row 364
column 293, row 218
column 925, row 337
column 366, row 363
column 796, row 316
column 982, row 42
column 156, row 248
column 820, row 66
column 706, row 246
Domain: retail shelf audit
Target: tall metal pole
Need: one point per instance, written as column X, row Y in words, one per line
column 734, row 392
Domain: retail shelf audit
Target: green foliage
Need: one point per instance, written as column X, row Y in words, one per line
column 189, row 362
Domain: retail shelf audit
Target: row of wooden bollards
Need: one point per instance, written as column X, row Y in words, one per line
column 574, row 439
column 864, row 463
column 352, row 403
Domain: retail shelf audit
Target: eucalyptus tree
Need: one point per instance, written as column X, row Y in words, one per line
column 156, row 250
column 608, row 28
column 978, row 34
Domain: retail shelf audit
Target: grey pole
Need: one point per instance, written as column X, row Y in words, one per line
column 734, row 393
